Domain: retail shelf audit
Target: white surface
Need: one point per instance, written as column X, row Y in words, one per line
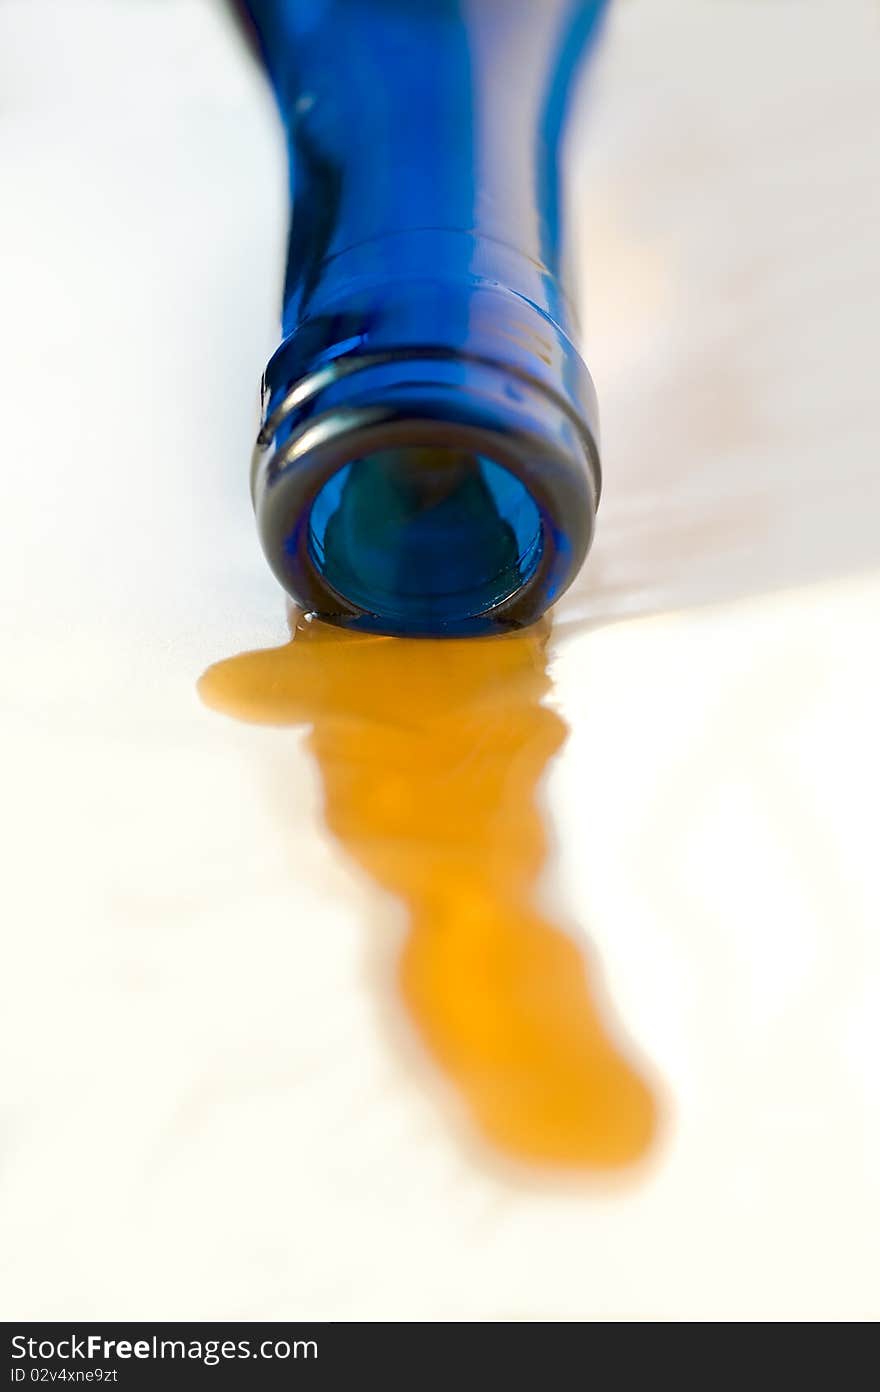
column 204, row 1111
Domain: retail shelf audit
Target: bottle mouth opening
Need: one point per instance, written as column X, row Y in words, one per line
column 423, row 493
column 425, row 536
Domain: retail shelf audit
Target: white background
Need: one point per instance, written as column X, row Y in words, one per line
column 207, row 1109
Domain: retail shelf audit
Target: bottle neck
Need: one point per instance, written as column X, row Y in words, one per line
column 428, row 459
column 406, row 120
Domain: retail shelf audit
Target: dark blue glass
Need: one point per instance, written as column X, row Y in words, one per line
column 428, row 461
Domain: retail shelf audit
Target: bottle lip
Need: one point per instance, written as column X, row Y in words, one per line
column 284, row 408
column 364, row 403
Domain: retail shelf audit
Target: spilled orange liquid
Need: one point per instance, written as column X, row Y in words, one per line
column 430, row 754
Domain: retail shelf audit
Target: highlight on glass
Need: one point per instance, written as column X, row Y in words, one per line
column 428, row 459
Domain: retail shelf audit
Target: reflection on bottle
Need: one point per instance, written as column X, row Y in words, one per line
column 430, row 754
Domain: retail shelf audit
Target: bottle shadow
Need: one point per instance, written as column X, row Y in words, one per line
column 430, row 755
column 747, row 467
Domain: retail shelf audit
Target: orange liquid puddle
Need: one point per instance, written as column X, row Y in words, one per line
column 430, row 755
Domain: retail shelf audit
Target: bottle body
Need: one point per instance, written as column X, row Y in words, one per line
column 428, row 461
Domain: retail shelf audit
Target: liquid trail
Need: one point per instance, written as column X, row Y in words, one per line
column 431, row 753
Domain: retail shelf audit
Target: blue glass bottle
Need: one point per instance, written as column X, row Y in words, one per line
column 428, row 460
